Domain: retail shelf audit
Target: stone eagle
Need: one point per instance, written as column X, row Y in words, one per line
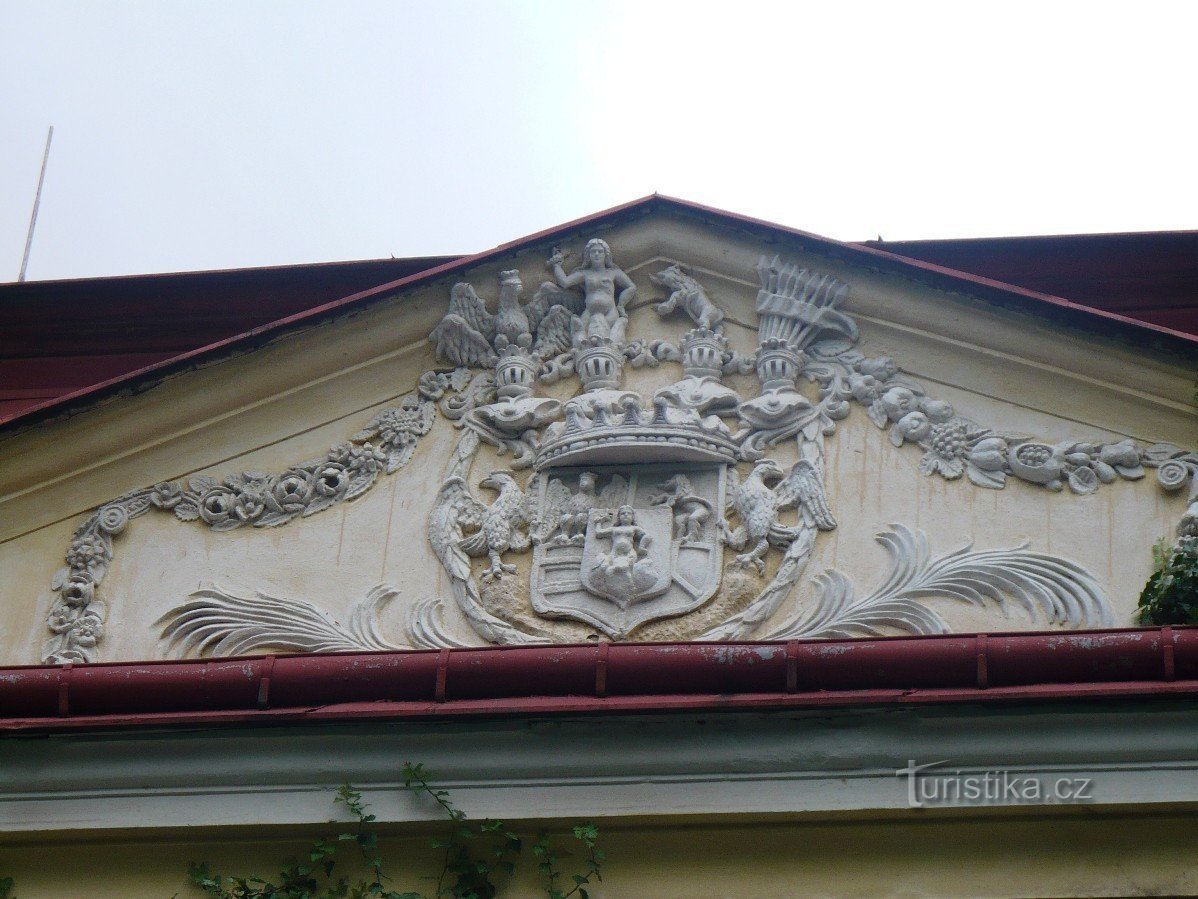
column 496, row 528
column 757, row 505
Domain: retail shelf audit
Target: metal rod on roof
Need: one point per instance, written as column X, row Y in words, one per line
column 37, row 201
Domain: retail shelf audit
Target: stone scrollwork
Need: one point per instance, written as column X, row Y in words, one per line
column 619, row 513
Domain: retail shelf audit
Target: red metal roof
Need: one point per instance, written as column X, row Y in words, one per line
column 646, row 677
column 1150, row 276
column 60, row 337
column 29, row 408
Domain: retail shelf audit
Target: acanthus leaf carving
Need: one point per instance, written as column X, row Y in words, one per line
column 658, row 454
column 1057, row 589
column 77, row 617
column 219, row 622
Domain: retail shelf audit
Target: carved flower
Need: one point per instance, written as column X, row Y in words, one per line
column 899, row 401
column 1173, row 474
column 989, row 454
column 79, row 591
column 883, row 368
column 331, row 478
column 432, row 385
column 166, row 495
column 61, row 619
column 367, row 457
column 1124, row 457
column 87, row 630
column 1039, row 463
column 218, row 507
column 292, row 491
column 249, row 504
column 402, row 425
column 87, row 552
column 112, row 518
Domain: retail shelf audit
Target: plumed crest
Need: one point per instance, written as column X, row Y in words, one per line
column 553, row 332
column 557, row 498
column 614, row 495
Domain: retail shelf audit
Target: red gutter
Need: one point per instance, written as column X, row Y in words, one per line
column 644, row 677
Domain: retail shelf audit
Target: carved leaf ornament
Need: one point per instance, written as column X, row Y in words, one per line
column 611, row 487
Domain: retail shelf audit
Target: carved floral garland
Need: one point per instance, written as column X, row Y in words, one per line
column 952, row 446
column 247, row 499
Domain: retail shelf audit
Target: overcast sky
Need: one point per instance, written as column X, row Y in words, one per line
column 218, row 135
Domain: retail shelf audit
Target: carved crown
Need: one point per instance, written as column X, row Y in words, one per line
column 620, row 430
column 599, row 363
column 703, row 352
column 515, row 372
column 778, row 363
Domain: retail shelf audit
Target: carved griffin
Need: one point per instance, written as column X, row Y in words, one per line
column 757, row 505
column 496, row 528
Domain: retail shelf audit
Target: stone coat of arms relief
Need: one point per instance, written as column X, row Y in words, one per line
column 692, row 507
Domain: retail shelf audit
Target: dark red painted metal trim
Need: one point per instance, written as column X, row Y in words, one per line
column 1182, row 342
column 639, row 677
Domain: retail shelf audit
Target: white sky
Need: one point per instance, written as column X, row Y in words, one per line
column 218, row 135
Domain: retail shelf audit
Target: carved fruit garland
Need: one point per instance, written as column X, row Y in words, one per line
column 801, row 333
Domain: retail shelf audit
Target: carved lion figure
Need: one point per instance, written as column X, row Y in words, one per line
column 690, row 293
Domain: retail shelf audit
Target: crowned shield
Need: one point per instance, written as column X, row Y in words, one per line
column 618, row 547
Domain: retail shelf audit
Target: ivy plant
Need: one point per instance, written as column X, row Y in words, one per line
column 1171, row 594
column 477, row 859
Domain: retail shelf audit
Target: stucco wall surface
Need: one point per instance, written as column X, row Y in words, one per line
column 290, row 400
column 1123, row 855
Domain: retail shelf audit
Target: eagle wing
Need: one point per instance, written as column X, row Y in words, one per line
column 731, row 491
column 464, row 336
column 553, row 332
column 455, row 511
column 464, row 302
column 614, row 494
column 558, row 498
column 804, row 488
column 547, row 296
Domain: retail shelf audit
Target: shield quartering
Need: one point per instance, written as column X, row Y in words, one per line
column 618, row 547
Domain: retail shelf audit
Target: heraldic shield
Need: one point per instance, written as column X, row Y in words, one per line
column 619, row 546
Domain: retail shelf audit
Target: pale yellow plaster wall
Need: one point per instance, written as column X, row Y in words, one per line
column 1103, row 855
column 289, row 401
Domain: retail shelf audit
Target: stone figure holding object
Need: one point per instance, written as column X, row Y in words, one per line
column 607, row 291
column 627, row 568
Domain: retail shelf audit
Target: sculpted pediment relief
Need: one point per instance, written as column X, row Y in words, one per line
column 646, row 454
